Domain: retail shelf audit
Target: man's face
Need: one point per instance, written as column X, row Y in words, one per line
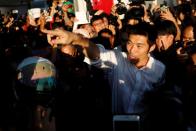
column 106, row 22
column 98, row 25
column 188, row 35
column 163, row 42
column 138, row 49
column 67, row 7
column 90, row 29
column 58, row 19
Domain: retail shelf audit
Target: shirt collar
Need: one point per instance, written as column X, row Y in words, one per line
column 149, row 63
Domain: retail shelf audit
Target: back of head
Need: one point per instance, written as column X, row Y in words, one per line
column 104, row 15
column 186, row 8
column 165, row 27
column 135, row 13
column 137, row 2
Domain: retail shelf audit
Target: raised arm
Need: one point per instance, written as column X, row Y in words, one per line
column 167, row 15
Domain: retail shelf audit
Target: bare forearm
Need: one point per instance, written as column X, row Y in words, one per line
column 178, row 31
column 90, row 49
column 67, row 21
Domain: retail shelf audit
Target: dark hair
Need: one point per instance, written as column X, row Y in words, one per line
column 165, row 27
column 96, row 17
column 135, row 13
column 121, row 8
column 105, row 31
column 112, row 20
column 57, row 15
column 137, row 2
column 103, row 14
column 49, row 2
column 58, row 25
column 189, row 21
column 185, row 8
column 78, row 58
column 144, row 29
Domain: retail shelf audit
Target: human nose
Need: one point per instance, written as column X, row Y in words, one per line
column 131, row 48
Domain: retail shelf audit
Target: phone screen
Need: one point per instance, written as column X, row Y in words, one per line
column 149, row 3
column 126, row 123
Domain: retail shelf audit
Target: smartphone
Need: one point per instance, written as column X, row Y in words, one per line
column 164, row 8
column 126, row 123
column 149, row 3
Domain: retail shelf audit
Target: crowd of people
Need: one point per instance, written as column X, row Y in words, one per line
column 135, row 60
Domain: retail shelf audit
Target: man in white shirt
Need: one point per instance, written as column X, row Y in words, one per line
column 131, row 74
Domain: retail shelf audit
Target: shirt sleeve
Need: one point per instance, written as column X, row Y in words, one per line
column 107, row 59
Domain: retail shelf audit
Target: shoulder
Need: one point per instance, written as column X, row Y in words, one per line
column 156, row 64
column 108, row 55
column 107, row 58
column 155, row 69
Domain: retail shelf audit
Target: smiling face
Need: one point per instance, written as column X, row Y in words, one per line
column 138, row 50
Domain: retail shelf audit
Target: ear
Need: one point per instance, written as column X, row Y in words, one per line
column 171, row 37
column 152, row 48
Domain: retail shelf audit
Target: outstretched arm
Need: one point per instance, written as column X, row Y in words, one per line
column 60, row 36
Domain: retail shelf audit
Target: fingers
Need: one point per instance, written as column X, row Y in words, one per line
column 167, row 16
column 56, row 32
column 179, row 50
column 50, row 40
column 56, row 41
column 58, row 36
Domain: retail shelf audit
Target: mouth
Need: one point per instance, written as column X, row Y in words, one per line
column 131, row 57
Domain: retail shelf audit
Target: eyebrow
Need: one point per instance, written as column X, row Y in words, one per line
column 129, row 41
